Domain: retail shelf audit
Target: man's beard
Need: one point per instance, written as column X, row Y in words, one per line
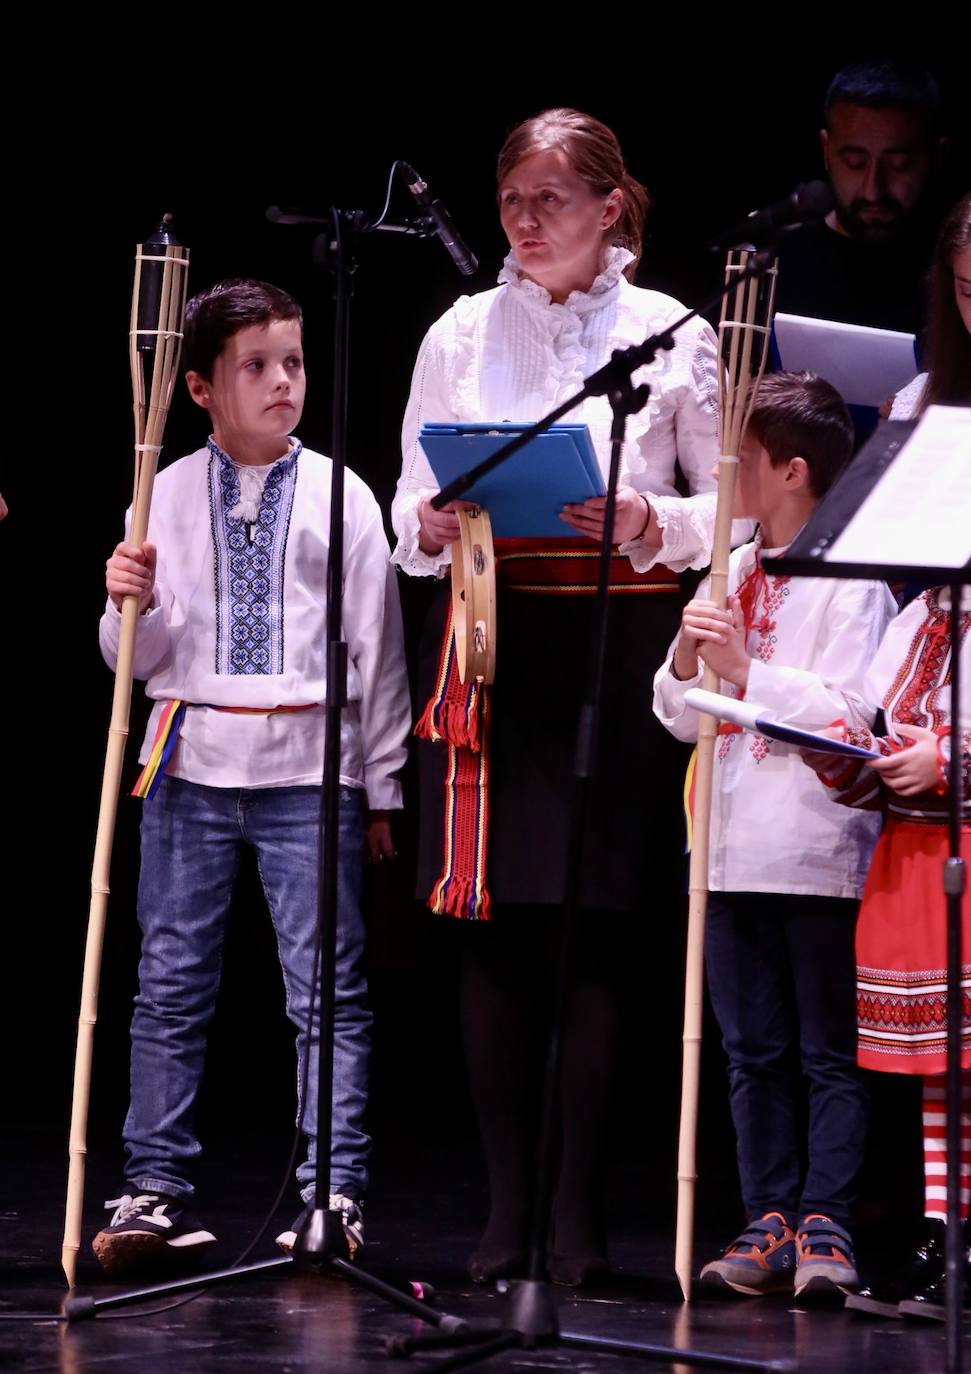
column 871, row 231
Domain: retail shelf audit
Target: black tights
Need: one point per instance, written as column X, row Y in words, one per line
column 507, row 975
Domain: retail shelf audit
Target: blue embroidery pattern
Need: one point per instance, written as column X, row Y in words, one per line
column 249, row 566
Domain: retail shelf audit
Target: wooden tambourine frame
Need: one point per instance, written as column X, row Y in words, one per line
column 474, row 597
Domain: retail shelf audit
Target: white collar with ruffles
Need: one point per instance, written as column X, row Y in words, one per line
column 603, row 289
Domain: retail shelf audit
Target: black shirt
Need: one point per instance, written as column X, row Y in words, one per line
column 830, row 276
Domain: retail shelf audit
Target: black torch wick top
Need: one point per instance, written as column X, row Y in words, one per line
column 150, row 284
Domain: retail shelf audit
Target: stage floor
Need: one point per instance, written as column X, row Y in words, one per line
column 421, row 1225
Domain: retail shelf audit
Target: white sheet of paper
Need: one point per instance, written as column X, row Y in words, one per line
column 919, row 513
column 865, row 365
column 757, row 719
column 743, row 713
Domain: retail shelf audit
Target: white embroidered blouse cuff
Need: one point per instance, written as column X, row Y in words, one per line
column 687, row 526
column 408, row 555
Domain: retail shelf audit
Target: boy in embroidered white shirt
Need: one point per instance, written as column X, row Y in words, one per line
column 232, row 587
column 784, row 876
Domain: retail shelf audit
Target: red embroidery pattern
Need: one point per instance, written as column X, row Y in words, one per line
column 903, row 672
column 759, row 748
column 765, row 625
column 726, row 744
column 891, row 1024
column 929, row 679
column 761, row 602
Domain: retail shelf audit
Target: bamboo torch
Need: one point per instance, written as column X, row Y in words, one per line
column 155, row 344
column 743, row 338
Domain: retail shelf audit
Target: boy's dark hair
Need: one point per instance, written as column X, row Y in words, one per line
column 886, row 84
column 801, row 415
column 214, row 316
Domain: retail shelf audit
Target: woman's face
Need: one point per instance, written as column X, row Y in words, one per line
column 555, row 222
column 961, row 266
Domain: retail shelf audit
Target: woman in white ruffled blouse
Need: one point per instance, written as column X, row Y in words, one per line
column 573, row 216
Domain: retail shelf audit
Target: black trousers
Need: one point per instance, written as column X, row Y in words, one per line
column 781, row 976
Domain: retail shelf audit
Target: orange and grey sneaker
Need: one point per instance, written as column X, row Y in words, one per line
column 761, row 1260
column 825, row 1266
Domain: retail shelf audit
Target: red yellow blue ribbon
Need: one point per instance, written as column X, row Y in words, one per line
column 167, row 735
column 163, row 746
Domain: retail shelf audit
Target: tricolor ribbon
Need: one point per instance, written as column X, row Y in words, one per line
column 163, row 746
column 167, row 736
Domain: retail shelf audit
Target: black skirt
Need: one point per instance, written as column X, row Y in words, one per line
column 635, row 830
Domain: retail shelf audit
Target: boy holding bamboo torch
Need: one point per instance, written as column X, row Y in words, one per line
column 785, row 875
column 232, row 644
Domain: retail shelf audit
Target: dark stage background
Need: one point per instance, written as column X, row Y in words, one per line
column 216, row 143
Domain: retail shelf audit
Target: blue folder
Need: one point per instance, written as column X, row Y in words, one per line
column 524, row 496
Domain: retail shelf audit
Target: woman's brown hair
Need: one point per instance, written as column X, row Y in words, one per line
column 594, row 154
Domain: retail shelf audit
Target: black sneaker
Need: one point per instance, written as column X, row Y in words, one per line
column 149, row 1231
column 352, row 1216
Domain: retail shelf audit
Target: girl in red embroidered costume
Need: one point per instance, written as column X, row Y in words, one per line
column 901, row 945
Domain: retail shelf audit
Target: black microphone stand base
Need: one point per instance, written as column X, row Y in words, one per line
column 321, row 1238
column 79, row 1308
column 533, row 1323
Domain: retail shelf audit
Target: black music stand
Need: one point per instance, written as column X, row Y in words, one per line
column 876, row 486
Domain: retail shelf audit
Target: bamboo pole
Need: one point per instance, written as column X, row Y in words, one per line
column 150, row 421
column 743, row 339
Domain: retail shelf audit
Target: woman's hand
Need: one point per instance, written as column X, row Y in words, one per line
column 130, row 571
column 634, row 518
column 913, row 768
column 438, row 527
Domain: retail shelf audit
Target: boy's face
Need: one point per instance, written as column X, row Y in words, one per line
column 759, row 487
column 256, row 393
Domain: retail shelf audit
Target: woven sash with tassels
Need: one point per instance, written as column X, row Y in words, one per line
column 457, row 715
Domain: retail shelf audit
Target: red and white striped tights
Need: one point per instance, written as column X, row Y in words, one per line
column 935, row 1145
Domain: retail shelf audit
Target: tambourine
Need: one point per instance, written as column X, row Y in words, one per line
column 474, row 597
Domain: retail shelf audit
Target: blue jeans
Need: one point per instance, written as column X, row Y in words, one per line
column 192, row 840
column 782, row 980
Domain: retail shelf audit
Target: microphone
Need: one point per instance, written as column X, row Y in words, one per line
column 809, row 201
column 439, row 222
